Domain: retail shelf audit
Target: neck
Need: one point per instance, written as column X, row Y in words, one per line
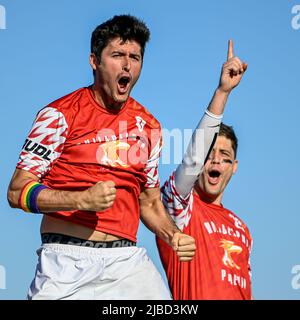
column 103, row 100
column 209, row 198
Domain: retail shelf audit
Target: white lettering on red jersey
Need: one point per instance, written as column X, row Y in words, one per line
column 220, row 268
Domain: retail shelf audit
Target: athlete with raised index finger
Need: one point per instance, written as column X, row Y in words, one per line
column 193, row 197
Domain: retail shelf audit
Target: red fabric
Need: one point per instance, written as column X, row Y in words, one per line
column 84, row 143
column 221, row 267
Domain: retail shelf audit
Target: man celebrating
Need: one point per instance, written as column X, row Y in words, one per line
column 193, row 196
column 89, row 165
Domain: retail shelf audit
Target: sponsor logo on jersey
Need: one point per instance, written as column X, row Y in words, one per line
column 37, row 149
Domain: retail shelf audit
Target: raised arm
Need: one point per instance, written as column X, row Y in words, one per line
column 205, row 134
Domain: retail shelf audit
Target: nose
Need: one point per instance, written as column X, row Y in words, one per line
column 215, row 158
column 126, row 64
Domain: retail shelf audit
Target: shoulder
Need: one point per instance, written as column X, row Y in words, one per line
column 64, row 108
column 138, row 110
column 69, row 102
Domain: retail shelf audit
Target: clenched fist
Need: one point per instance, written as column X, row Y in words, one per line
column 98, row 197
column 232, row 71
column 184, row 245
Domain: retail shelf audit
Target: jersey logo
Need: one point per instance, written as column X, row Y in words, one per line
column 230, row 248
column 140, row 123
column 109, row 153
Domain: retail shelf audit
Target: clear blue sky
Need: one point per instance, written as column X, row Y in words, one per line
column 44, row 55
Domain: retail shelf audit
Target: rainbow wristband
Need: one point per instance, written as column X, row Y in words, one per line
column 28, row 196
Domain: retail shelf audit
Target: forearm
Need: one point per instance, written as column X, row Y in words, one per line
column 199, row 147
column 57, row 200
column 24, row 190
column 155, row 218
column 48, row 200
column 218, row 102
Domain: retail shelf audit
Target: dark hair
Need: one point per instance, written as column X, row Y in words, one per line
column 228, row 132
column 126, row 27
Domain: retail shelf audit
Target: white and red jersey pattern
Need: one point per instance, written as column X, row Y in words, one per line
column 75, row 143
column 45, row 142
column 179, row 208
column 220, row 268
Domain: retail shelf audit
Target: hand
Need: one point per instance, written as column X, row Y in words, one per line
column 184, row 245
column 232, row 71
column 98, row 197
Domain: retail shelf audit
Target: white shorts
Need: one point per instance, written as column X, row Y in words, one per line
column 80, row 273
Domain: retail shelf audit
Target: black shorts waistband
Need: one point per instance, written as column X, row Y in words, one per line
column 64, row 239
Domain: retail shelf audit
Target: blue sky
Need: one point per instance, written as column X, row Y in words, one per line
column 44, row 55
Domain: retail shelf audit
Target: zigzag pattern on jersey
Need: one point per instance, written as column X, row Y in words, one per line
column 151, row 169
column 179, row 209
column 49, row 130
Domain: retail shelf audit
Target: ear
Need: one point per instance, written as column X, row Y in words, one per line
column 235, row 166
column 93, row 61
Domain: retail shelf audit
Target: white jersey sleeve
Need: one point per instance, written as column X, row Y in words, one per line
column 178, row 207
column 197, row 152
column 177, row 192
column 44, row 143
column 151, row 169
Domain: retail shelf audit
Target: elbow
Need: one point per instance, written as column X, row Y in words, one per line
column 12, row 198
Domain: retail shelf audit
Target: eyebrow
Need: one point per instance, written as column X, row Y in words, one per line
column 124, row 53
column 226, row 151
column 117, row 51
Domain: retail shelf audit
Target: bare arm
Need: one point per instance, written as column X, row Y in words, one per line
column 156, row 219
column 96, row 198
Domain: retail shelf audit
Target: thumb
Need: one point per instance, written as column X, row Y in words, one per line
column 175, row 241
column 110, row 183
column 245, row 66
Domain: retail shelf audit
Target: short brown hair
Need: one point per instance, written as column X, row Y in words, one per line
column 228, row 132
column 126, row 27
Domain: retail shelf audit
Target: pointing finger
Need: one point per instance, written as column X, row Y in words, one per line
column 230, row 50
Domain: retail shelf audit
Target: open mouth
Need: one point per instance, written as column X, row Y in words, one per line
column 214, row 176
column 123, row 84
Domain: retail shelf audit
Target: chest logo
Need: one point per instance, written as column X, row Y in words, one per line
column 230, row 248
column 109, row 153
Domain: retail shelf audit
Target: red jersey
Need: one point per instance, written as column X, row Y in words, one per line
column 221, row 267
column 75, row 143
